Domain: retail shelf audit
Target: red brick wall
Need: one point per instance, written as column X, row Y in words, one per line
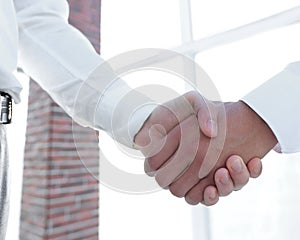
column 85, row 16
column 60, row 196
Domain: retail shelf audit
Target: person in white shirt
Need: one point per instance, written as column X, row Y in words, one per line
column 56, row 55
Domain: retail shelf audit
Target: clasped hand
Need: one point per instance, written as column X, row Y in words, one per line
column 200, row 149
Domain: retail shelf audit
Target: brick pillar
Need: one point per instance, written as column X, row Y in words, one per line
column 60, row 196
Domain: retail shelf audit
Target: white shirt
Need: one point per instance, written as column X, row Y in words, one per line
column 61, row 59
column 277, row 101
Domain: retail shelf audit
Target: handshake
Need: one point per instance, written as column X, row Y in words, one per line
column 200, row 150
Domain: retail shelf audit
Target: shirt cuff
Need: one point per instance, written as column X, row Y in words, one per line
column 10, row 85
column 122, row 111
column 137, row 120
column 277, row 103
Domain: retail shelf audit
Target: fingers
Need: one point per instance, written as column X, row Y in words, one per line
column 217, row 112
column 184, row 155
column 223, row 182
column 255, row 167
column 233, row 177
column 211, row 196
column 238, row 171
column 211, row 157
column 165, row 117
column 153, row 137
column 171, row 141
column 208, row 194
column 169, row 148
column 148, row 169
column 158, row 142
column 195, row 195
column 207, row 113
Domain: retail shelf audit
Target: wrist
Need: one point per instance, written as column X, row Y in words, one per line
column 122, row 112
column 257, row 126
column 248, row 131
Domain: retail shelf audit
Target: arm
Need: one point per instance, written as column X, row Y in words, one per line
column 8, row 50
column 61, row 60
column 64, row 63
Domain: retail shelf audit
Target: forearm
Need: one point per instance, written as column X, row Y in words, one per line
column 64, row 63
column 52, row 52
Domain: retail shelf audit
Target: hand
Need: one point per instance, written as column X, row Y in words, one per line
column 246, row 134
column 177, row 149
column 174, row 128
column 151, row 137
column 231, row 178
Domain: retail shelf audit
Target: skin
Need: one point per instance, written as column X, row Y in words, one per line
column 188, row 141
column 229, row 179
column 246, row 134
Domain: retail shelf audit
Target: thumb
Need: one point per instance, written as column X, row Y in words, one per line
column 207, row 115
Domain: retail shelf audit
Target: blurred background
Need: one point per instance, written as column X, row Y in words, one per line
column 267, row 208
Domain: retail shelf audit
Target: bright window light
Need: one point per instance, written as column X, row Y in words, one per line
column 263, row 210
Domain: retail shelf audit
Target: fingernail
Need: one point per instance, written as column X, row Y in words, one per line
column 202, row 173
column 190, row 201
column 237, row 165
column 256, row 170
column 212, row 195
column 212, row 126
column 224, row 180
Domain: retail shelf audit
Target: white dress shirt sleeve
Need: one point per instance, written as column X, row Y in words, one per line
column 8, row 50
column 278, row 102
column 64, row 63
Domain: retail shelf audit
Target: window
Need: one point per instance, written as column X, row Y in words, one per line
column 267, row 208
